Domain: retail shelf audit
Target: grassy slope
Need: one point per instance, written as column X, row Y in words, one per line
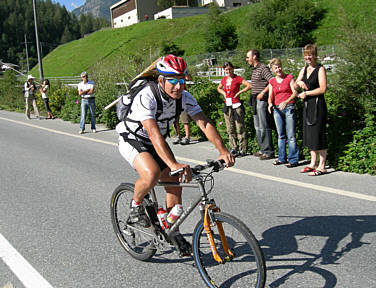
column 187, row 33
column 361, row 11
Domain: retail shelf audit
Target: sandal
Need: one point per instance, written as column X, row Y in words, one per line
column 307, row 169
column 277, row 162
column 317, row 173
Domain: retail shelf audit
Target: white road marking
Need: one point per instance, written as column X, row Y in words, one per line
column 29, row 277
column 240, row 171
column 59, row 132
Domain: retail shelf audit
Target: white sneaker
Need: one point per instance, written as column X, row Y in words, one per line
column 176, row 140
column 94, row 131
column 81, row 132
column 185, row 141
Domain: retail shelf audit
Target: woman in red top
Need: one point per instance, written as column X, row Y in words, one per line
column 281, row 97
column 234, row 110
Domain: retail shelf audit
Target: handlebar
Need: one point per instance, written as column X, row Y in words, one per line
column 217, row 165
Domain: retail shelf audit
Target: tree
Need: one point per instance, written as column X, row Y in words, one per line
column 67, row 36
column 55, row 24
column 282, row 24
column 220, row 34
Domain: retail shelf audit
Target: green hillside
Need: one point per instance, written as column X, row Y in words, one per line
column 146, row 38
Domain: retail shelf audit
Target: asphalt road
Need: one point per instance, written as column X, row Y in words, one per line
column 55, row 188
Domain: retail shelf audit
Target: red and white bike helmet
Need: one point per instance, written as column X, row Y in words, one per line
column 172, row 65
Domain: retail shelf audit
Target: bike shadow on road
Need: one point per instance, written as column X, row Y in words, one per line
column 283, row 240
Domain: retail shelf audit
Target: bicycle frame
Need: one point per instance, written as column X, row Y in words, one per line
column 204, row 214
column 202, row 198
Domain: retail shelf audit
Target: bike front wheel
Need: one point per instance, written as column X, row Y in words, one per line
column 137, row 241
column 247, row 266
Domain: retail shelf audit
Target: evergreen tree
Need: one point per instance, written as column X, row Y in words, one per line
column 55, row 25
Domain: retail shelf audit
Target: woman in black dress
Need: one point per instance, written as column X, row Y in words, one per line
column 312, row 79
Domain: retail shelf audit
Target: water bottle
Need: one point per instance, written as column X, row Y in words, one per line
column 162, row 217
column 174, row 214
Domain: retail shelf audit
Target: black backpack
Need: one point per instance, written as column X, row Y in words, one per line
column 124, row 105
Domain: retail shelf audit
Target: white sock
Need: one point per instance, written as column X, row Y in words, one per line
column 135, row 204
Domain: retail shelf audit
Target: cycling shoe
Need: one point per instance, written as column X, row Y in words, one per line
column 183, row 246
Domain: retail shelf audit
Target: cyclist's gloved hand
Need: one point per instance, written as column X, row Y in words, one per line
column 228, row 158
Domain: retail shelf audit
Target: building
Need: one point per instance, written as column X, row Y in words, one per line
column 128, row 12
column 180, row 11
column 226, row 3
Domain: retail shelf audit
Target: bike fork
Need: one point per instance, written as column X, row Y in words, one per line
column 209, row 234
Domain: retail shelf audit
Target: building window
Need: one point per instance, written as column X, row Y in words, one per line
column 236, row 4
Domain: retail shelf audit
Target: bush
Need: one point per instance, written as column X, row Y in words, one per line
column 360, row 156
column 353, row 105
column 205, row 92
column 171, row 49
column 71, row 110
column 11, row 95
column 357, row 69
column 220, row 33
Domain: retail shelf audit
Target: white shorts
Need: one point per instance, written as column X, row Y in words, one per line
column 129, row 151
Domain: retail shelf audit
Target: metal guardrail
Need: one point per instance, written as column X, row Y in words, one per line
column 65, row 79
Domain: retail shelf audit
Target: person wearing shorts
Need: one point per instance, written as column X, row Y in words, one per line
column 142, row 139
column 185, row 119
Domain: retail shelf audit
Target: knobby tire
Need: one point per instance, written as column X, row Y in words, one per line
column 246, row 269
column 136, row 243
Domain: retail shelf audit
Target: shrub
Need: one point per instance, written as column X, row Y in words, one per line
column 71, row 110
column 353, row 103
column 171, row 49
column 11, row 95
column 205, row 92
column 360, row 156
column 356, row 70
column 220, row 34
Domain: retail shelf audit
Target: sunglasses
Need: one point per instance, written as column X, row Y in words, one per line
column 175, row 81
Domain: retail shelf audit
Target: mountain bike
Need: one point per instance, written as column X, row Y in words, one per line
column 225, row 251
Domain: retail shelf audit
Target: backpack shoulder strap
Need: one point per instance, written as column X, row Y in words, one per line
column 134, row 91
column 179, row 108
column 158, row 98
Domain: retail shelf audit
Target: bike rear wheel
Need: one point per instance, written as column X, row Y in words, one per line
column 246, row 269
column 137, row 241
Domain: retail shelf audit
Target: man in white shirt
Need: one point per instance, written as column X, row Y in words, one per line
column 86, row 91
column 142, row 139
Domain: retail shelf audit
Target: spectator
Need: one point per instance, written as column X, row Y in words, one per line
column 44, row 91
column 185, row 119
column 233, row 110
column 312, row 79
column 281, row 97
column 86, row 91
column 30, row 88
column 261, row 118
